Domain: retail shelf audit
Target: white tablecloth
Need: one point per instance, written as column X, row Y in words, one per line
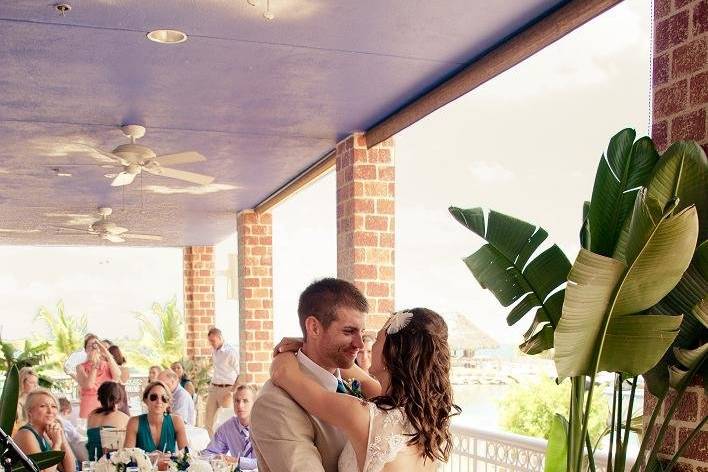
column 198, row 438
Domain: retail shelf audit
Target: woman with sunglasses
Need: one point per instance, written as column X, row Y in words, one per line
column 157, row 430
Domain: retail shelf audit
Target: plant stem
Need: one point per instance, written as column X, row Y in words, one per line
column 647, row 432
column 575, row 445
column 619, row 447
column 665, row 425
column 586, row 419
column 612, row 426
column 591, row 454
column 622, row 458
column 685, row 444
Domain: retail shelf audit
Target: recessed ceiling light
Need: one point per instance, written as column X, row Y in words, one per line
column 167, row 36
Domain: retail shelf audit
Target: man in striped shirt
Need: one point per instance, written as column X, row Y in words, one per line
column 234, row 436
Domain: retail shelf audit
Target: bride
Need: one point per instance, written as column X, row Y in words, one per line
column 404, row 425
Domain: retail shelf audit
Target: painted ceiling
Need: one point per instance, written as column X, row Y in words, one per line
column 261, row 100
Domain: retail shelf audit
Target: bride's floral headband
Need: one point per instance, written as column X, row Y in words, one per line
column 398, row 321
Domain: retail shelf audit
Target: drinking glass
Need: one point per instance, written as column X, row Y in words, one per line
column 86, row 466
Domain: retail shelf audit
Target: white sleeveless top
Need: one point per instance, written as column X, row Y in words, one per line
column 388, row 433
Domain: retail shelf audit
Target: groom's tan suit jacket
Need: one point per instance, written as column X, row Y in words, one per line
column 287, row 439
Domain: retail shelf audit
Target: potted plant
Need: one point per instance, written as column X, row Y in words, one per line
column 636, row 286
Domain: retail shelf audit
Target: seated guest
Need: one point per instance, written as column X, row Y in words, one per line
column 363, row 357
column 234, row 436
column 29, row 381
column 70, row 432
column 43, row 432
column 157, row 430
column 107, row 415
column 153, row 372
column 182, row 403
column 124, row 376
column 184, row 381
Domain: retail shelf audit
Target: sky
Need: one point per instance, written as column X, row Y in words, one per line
column 526, row 143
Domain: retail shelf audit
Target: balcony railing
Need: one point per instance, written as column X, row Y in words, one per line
column 479, row 450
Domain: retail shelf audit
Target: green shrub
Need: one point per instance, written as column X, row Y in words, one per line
column 528, row 409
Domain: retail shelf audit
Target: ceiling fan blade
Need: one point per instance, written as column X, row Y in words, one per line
column 180, row 158
column 192, row 177
column 112, row 238
column 124, row 178
column 67, row 228
column 104, row 156
column 113, row 228
column 18, row 231
column 149, row 237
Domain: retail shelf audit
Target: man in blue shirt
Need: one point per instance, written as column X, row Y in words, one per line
column 234, row 436
column 182, row 403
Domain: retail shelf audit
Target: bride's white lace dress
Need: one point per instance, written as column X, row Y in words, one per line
column 388, row 434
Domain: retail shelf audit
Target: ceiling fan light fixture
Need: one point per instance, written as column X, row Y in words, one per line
column 167, row 36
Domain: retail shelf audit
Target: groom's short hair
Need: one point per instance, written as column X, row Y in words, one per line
column 322, row 298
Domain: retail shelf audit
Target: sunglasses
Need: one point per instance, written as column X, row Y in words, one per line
column 154, row 396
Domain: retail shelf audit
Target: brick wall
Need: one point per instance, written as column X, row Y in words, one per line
column 680, row 80
column 680, row 99
column 691, row 410
column 198, row 283
column 366, row 223
column 255, row 294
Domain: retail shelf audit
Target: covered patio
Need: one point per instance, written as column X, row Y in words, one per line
column 271, row 95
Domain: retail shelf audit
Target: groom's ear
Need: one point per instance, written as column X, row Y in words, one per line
column 313, row 326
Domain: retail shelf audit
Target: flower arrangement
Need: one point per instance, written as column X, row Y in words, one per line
column 184, row 461
column 121, row 458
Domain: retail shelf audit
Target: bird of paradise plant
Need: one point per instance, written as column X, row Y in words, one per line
column 630, row 294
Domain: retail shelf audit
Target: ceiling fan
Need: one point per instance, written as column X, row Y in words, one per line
column 107, row 230
column 135, row 158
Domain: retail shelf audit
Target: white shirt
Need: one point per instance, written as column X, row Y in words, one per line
column 225, row 361
column 324, row 377
column 183, row 405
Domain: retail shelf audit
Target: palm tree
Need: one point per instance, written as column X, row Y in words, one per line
column 163, row 338
column 66, row 332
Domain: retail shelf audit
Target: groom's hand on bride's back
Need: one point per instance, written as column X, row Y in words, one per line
column 287, row 345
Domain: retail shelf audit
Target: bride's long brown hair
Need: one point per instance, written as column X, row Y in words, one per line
column 418, row 361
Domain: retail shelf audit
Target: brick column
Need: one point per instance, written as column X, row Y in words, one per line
column 198, row 283
column 255, row 294
column 680, row 99
column 366, row 223
column 680, row 81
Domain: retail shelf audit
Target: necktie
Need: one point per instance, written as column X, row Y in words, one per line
column 341, row 388
column 247, row 447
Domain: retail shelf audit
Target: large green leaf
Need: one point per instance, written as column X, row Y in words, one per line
column 690, row 298
column 557, row 449
column 605, row 295
column 503, row 266
column 681, row 173
column 43, row 460
column 8, row 400
column 626, row 168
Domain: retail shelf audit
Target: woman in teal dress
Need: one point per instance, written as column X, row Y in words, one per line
column 43, row 432
column 110, row 396
column 157, row 430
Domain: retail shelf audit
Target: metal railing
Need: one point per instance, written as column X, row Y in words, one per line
column 479, row 450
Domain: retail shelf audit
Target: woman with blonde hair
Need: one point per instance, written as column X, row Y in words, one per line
column 156, row 430
column 43, row 432
column 29, row 381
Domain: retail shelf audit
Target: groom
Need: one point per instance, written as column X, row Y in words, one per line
column 332, row 314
